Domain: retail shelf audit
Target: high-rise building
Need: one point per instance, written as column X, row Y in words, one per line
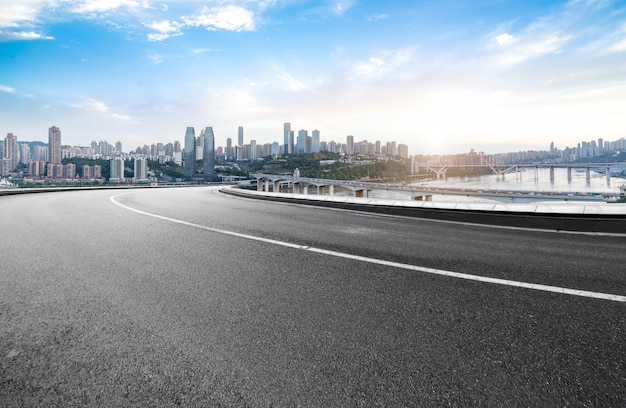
column 315, row 141
column 189, row 154
column 117, row 169
column 10, row 151
column 229, row 147
column 349, row 144
column 24, row 149
column 253, row 150
column 403, row 151
column 288, row 138
column 54, row 145
column 208, row 155
column 141, row 169
column 302, row 135
column 240, row 135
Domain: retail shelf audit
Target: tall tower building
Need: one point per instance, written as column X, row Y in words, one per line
column 315, row 141
column 54, row 145
column 141, row 170
column 229, row 147
column 117, row 169
column 302, row 135
column 189, row 153
column 10, row 151
column 288, row 138
column 240, row 135
column 208, row 154
column 349, row 144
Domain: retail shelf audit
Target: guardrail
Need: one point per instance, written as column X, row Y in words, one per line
column 597, row 218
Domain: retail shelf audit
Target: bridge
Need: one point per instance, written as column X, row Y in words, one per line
column 301, row 185
column 501, row 170
column 284, row 183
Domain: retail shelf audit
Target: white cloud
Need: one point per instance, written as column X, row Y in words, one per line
column 293, row 84
column 384, row 63
column 99, row 6
column 91, row 105
column 165, row 28
column 341, row 6
column 504, row 39
column 231, row 18
column 15, row 13
column 619, row 46
column 532, row 47
column 202, row 50
column 378, row 17
column 7, row 89
column 156, row 58
column 23, row 35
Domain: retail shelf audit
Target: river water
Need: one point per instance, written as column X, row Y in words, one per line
column 527, row 180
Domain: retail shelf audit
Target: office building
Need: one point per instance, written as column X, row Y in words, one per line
column 208, row 155
column 189, row 153
column 240, row 135
column 315, row 141
column 288, row 138
column 302, row 136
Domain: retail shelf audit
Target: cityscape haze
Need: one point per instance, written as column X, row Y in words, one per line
column 497, row 76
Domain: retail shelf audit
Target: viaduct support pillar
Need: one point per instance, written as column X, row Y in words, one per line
column 305, row 189
column 296, row 188
column 331, row 190
column 276, row 187
column 259, row 184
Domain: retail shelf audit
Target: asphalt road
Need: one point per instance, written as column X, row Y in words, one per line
column 204, row 299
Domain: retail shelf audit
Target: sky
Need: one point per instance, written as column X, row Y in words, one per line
column 442, row 76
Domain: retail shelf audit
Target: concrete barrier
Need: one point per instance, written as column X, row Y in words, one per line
column 595, row 218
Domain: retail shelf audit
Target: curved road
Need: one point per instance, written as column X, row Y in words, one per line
column 190, row 297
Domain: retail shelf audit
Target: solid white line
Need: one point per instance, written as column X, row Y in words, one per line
column 458, row 275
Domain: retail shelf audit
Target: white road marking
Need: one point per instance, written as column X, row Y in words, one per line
column 458, row 275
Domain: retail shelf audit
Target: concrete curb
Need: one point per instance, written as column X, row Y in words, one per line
column 573, row 217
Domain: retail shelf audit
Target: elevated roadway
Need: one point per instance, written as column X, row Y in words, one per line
column 191, row 297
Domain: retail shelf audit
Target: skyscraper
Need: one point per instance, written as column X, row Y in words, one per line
column 189, row 153
column 288, row 138
column 10, row 150
column 208, row 155
column 240, row 135
column 349, row 144
column 117, row 169
column 302, row 135
column 315, row 141
column 54, row 145
column 229, row 147
column 141, row 171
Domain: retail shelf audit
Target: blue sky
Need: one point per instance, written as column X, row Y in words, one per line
column 440, row 76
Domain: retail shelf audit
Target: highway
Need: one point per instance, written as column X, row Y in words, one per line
column 191, row 297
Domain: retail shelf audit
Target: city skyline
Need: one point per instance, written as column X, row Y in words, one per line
column 441, row 78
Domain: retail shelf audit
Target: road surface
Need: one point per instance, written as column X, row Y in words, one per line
column 190, row 297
